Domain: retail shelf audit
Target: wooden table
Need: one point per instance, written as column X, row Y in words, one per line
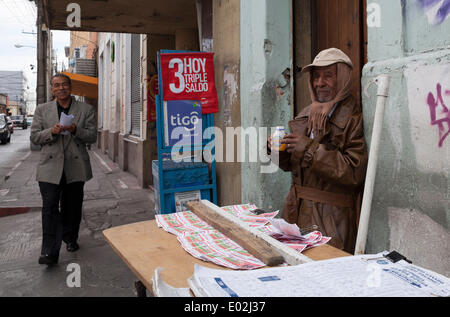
column 144, row 247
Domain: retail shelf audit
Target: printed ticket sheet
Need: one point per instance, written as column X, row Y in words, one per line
column 215, row 247
column 360, row 276
column 204, row 242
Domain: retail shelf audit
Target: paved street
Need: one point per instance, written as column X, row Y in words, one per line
column 112, row 198
column 11, row 153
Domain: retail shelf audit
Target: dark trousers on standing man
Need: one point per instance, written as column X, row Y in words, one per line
column 61, row 214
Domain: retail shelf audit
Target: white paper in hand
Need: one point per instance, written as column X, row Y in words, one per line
column 66, row 120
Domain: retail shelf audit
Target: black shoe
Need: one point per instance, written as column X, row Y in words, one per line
column 72, row 247
column 47, row 259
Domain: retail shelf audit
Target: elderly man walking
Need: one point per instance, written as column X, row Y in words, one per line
column 63, row 167
column 326, row 153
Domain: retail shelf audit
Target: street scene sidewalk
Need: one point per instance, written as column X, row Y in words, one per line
column 112, row 198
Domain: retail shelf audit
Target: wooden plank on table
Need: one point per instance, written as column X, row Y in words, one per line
column 260, row 245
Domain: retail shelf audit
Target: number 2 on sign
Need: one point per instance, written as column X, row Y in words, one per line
column 178, row 74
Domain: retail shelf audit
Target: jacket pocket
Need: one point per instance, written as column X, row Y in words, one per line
column 45, row 157
column 47, row 153
column 83, row 153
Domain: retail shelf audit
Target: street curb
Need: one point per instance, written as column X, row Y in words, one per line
column 11, row 211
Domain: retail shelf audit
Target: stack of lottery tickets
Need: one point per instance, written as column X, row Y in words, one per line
column 208, row 244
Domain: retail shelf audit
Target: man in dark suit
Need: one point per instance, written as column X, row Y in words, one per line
column 64, row 166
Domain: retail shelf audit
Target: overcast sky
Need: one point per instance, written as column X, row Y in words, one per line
column 16, row 17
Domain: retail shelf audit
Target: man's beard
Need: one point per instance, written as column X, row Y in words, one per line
column 323, row 99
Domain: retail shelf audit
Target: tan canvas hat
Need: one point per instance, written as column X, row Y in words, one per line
column 328, row 57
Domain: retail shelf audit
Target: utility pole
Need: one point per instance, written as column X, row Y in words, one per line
column 42, row 43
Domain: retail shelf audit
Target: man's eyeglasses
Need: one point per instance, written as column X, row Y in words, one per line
column 63, row 85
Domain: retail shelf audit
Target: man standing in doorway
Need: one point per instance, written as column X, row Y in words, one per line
column 326, row 154
column 63, row 167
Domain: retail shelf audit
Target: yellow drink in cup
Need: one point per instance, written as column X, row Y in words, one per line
column 277, row 136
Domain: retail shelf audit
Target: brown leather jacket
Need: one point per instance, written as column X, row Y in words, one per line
column 328, row 175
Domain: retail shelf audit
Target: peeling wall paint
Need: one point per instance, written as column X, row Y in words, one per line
column 230, row 91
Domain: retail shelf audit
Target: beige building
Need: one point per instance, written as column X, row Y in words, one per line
column 14, row 108
column 83, row 53
column 3, row 103
column 85, row 41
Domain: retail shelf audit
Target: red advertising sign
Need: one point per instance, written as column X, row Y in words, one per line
column 190, row 76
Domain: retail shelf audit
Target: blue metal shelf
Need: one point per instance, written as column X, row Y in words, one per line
column 208, row 145
column 188, row 189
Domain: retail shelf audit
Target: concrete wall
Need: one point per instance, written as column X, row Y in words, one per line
column 252, row 47
column 411, row 207
column 266, row 95
column 226, row 34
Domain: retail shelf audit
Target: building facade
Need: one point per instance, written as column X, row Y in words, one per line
column 83, row 53
column 14, row 84
column 259, row 46
column 3, row 103
column 127, row 66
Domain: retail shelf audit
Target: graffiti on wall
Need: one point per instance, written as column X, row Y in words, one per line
column 439, row 113
column 428, row 108
column 435, row 10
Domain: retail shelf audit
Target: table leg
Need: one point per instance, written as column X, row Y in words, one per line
column 141, row 290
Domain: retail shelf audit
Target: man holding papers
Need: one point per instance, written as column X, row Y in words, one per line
column 63, row 127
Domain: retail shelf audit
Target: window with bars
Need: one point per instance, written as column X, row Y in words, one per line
column 136, row 104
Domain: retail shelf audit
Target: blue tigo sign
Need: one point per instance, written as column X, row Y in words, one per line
column 182, row 122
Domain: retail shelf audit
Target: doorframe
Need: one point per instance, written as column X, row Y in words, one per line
column 303, row 12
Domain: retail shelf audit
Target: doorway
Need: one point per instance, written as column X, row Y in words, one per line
column 321, row 24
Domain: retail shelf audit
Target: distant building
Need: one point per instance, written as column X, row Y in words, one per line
column 14, row 85
column 15, row 108
column 82, row 53
column 3, row 103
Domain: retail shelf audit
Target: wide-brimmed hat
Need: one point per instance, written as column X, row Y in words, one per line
column 329, row 57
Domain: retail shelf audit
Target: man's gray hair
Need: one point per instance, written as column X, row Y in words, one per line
column 61, row 75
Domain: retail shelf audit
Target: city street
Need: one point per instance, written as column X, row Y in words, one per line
column 112, row 198
column 12, row 153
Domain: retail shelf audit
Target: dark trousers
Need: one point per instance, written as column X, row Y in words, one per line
column 61, row 214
